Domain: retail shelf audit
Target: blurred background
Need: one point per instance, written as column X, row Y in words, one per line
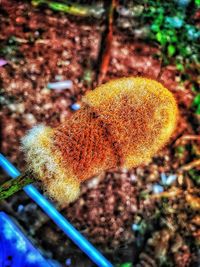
column 51, row 53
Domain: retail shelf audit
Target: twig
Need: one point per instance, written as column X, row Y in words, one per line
column 106, row 44
column 161, row 68
column 175, row 191
column 172, row 193
column 14, row 185
column 190, row 165
column 72, row 8
column 187, row 138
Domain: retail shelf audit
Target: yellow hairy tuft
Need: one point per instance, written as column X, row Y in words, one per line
column 60, row 184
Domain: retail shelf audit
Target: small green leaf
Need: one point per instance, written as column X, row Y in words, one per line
column 126, row 264
column 198, row 110
column 194, row 174
column 159, row 19
column 160, row 10
column 174, row 39
column 171, row 50
column 155, row 28
column 171, row 32
column 194, row 89
column 197, row 2
column 180, row 67
column 144, row 194
column 180, row 151
column 196, row 101
column 161, row 38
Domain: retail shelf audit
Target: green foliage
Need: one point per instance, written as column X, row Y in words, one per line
column 126, row 264
column 179, row 151
column 171, row 49
column 196, row 104
column 195, row 175
column 174, row 31
column 9, row 49
column 197, row 3
column 180, row 67
column 195, row 88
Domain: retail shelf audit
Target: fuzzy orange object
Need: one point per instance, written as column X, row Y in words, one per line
column 122, row 123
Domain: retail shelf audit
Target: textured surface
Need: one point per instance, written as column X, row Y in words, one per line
column 85, row 144
column 60, row 184
column 122, row 124
column 139, row 113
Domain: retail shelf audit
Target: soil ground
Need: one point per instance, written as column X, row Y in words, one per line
column 43, row 46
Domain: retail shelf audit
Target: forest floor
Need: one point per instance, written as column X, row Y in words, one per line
column 119, row 211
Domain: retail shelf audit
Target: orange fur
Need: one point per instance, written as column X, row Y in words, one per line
column 122, row 123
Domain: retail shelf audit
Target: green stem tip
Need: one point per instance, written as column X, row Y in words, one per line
column 14, row 185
